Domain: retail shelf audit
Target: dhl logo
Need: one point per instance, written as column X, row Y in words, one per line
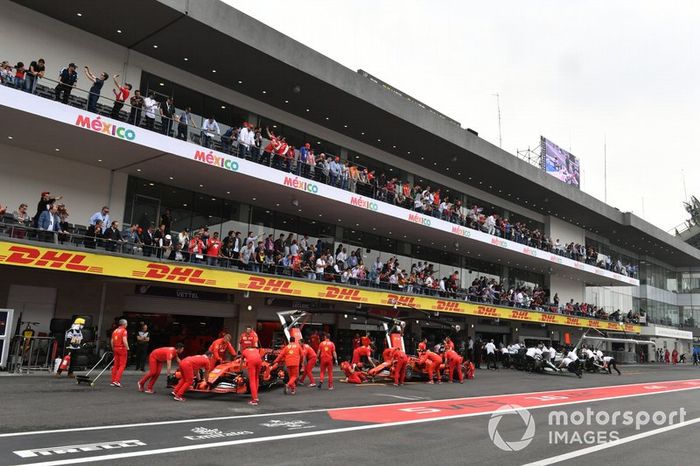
column 594, row 323
column 271, row 285
column 548, row 318
column 447, row 306
column 573, row 321
column 407, row 301
column 22, row 255
column 487, row 311
column 520, row 315
column 173, row 274
column 343, row 294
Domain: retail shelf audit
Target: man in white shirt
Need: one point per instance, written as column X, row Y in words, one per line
column 572, row 363
column 103, row 215
column 246, row 140
column 320, row 266
column 490, row 224
column 151, row 106
column 532, row 355
column 209, row 128
column 609, row 364
column 490, row 355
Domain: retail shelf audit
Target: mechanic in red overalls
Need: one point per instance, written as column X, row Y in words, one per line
column 292, row 356
column 423, row 345
column 400, row 363
column 219, row 348
column 327, row 355
column 356, row 341
column 189, row 367
column 453, row 362
column 352, row 375
column 156, row 359
column 432, row 363
column 249, row 339
column 120, row 348
column 363, row 352
column 310, row 357
column 449, row 344
column 251, row 358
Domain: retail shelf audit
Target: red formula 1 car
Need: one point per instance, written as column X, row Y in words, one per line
column 230, row 377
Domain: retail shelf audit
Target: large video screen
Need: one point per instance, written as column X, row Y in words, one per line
column 560, row 164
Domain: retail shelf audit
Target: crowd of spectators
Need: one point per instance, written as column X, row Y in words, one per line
column 249, row 142
column 288, row 255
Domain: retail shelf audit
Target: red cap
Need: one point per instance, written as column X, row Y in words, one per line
column 307, row 145
column 45, row 193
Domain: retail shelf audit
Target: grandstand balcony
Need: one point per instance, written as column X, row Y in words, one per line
column 41, row 125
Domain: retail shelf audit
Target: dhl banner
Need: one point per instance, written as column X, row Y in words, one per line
column 22, row 255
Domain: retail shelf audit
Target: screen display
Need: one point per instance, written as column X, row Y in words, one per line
column 3, row 323
column 560, row 163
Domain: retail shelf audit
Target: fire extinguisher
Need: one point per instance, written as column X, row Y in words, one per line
column 65, row 363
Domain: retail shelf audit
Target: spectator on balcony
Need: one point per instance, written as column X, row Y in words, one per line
column 95, row 89
column 183, row 241
column 195, row 248
column 49, row 223
column 321, row 265
column 353, row 177
column 113, row 237
column 214, row 249
column 151, row 106
column 302, row 165
column 34, row 74
column 103, row 215
column 133, row 237
column 247, row 256
column 20, row 73
column 136, row 102
column 184, row 122
column 45, row 201
column 67, row 80
column 121, row 93
column 158, row 237
column 20, row 215
column 93, row 235
column 6, row 76
column 167, row 115
column 246, row 141
column 209, row 128
column 323, row 168
column 227, row 139
column 149, row 240
column 335, row 168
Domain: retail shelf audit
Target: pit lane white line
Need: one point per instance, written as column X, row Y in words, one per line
column 412, row 398
column 320, row 410
column 162, row 451
column 612, row 444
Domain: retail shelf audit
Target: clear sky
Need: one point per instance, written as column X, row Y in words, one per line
column 576, row 72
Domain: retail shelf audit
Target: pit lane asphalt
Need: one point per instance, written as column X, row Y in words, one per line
column 31, row 403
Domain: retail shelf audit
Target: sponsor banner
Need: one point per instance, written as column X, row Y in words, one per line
column 24, row 255
column 187, row 150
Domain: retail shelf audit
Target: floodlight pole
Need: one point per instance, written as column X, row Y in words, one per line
column 498, row 105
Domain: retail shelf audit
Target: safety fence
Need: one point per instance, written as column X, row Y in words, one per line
column 31, row 354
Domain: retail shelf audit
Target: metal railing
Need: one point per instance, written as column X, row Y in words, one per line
column 371, row 280
column 317, row 172
column 31, row 354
